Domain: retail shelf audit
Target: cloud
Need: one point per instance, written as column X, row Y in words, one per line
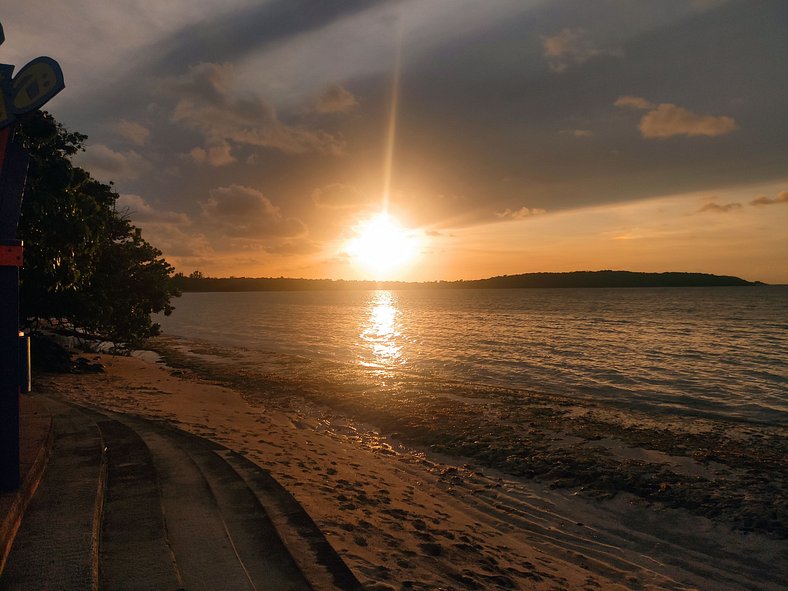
column 577, row 132
column 217, row 155
column 245, row 212
column 633, row 102
column 180, row 247
column 106, row 164
column 519, row 214
column 239, row 202
column 134, row 132
column 667, row 120
column 471, row 117
column 209, row 103
column 335, row 99
column 339, row 196
column 235, row 32
column 572, row 47
column 717, row 208
column 171, row 232
column 782, row 197
column 294, row 247
column 140, row 210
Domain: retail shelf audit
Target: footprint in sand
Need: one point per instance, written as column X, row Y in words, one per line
column 431, row 548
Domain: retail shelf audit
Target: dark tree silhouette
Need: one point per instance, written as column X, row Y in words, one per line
column 87, row 268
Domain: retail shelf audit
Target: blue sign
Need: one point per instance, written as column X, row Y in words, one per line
column 36, row 83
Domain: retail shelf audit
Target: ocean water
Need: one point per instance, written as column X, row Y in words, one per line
column 720, row 352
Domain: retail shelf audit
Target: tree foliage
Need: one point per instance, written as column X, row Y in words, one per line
column 87, row 268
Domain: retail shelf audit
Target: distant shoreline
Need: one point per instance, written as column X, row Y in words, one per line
column 574, row 279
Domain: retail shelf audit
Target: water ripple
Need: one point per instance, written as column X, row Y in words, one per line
column 717, row 351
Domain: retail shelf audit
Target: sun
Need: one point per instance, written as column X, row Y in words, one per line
column 381, row 246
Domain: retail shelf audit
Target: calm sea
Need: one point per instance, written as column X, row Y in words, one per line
column 706, row 351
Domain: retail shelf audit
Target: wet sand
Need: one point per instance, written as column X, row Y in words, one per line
column 471, row 489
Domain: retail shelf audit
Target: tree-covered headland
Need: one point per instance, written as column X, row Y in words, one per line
column 87, row 270
column 575, row 279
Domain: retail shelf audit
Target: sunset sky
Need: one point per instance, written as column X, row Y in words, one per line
column 252, row 138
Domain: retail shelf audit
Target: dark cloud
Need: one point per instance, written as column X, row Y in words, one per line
column 106, row 164
column 134, row 132
column 172, row 232
column 572, row 47
column 244, row 212
column 335, row 98
column 487, row 123
column 208, row 102
column 237, row 203
column 782, row 198
column 141, row 211
column 219, row 154
column 479, row 110
column 717, row 208
column 228, row 37
column 249, row 29
column 182, row 246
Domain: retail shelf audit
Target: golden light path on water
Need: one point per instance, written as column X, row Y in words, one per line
column 381, row 332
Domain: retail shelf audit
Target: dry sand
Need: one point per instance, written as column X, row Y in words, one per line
column 405, row 519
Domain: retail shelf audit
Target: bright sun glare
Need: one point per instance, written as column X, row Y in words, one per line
column 380, row 245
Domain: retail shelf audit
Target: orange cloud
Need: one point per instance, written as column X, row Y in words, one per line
column 219, row 154
column 519, row 214
column 335, row 98
column 572, row 47
column 633, row 102
column 717, row 208
column 244, row 212
column 134, row 132
column 667, row 120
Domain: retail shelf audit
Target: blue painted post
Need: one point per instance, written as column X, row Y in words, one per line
column 9, row 364
column 13, row 166
column 35, row 83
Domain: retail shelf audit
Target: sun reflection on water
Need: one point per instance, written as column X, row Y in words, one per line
column 380, row 333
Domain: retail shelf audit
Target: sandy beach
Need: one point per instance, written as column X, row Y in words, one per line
column 410, row 516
